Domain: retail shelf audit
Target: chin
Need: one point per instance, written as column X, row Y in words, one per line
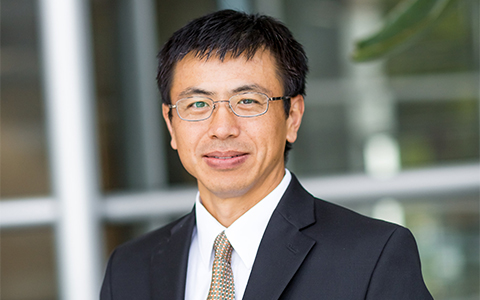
column 226, row 190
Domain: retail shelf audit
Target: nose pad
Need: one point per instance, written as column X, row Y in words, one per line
column 220, row 101
column 227, row 106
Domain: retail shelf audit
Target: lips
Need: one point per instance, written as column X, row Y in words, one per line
column 225, row 157
column 225, row 160
column 224, row 154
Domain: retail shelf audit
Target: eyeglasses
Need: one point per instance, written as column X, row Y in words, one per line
column 247, row 105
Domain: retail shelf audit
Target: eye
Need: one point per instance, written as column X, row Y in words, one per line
column 247, row 101
column 198, row 105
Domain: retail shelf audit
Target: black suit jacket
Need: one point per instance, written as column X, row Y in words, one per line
column 311, row 249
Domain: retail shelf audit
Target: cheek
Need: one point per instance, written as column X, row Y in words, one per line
column 183, row 144
column 186, row 153
column 186, row 139
column 269, row 137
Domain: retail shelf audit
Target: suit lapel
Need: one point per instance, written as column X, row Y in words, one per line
column 170, row 259
column 284, row 246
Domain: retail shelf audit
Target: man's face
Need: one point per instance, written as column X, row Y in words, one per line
column 232, row 156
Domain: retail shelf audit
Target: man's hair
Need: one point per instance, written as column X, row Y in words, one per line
column 233, row 33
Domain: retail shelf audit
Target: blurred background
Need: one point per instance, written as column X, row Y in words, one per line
column 86, row 162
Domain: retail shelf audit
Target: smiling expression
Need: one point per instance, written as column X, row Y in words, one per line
column 232, row 157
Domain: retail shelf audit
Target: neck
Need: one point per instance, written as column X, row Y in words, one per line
column 226, row 209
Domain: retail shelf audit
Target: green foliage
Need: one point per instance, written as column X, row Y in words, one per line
column 403, row 25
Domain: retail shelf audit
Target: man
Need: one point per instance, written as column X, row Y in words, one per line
column 233, row 87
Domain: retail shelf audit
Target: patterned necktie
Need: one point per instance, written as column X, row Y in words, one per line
column 222, row 287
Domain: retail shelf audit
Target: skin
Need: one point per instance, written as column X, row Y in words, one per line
column 236, row 161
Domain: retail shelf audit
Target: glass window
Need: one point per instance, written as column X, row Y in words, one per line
column 27, row 256
column 401, row 96
column 24, row 164
column 28, row 264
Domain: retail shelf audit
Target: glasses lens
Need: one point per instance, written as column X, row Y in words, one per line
column 249, row 104
column 194, row 108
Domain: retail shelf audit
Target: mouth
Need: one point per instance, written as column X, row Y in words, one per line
column 224, row 160
column 225, row 157
column 224, row 154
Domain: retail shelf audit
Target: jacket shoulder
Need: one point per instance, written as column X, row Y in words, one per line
column 144, row 244
column 128, row 273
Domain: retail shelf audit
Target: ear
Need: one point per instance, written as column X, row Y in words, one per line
column 297, row 107
column 168, row 121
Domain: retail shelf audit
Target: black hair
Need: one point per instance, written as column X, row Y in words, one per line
column 229, row 32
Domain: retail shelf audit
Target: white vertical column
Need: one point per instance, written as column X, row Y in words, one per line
column 371, row 105
column 69, row 95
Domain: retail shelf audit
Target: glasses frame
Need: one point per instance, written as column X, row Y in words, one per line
column 174, row 106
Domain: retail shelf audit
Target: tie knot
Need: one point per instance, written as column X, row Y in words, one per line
column 222, row 247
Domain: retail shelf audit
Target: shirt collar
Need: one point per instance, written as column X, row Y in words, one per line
column 245, row 233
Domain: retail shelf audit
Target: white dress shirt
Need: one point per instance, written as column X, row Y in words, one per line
column 244, row 234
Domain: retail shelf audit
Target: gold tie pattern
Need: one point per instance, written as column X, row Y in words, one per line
column 222, row 287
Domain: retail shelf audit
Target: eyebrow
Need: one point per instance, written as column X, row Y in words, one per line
column 244, row 88
column 194, row 91
column 251, row 88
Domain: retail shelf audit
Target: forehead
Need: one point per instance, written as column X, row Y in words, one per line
column 223, row 76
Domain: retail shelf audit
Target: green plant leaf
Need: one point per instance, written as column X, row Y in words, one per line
column 403, row 24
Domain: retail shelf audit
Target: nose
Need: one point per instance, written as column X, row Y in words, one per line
column 223, row 122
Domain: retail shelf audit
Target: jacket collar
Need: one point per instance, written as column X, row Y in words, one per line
column 283, row 247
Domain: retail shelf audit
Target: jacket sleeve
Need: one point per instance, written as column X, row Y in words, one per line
column 397, row 274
